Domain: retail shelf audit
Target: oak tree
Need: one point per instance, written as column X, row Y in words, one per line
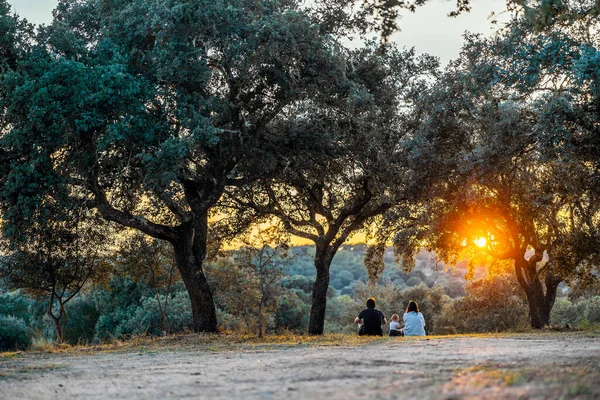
column 353, row 170
column 511, row 127
column 146, row 111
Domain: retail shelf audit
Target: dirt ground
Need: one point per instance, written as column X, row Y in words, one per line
column 527, row 366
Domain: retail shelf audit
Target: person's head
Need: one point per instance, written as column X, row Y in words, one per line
column 371, row 303
column 395, row 317
column 412, row 307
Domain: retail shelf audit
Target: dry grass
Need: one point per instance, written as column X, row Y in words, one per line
column 235, row 342
column 566, row 381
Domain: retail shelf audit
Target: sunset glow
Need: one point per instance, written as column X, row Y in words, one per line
column 481, row 242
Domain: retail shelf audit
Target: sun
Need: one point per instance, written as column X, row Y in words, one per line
column 481, row 242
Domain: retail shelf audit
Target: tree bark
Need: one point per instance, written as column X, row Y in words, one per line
column 58, row 325
column 316, row 324
column 59, row 329
column 260, row 319
column 540, row 296
column 190, row 251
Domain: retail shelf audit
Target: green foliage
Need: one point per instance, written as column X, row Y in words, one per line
column 541, row 14
column 14, row 333
column 493, row 304
column 16, row 305
column 292, row 313
column 507, row 151
column 414, row 281
column 148, row 112
column 301, row 282
column 83, row 316
column 119, row 306
column 581, row 313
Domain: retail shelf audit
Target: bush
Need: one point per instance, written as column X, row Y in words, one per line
column 14, row 334
column 292, row 312
column 455, row 289
column 83, row 317
column 179, row 312
column 346, row 277
column 121, row 323
column 15, row 304
column 592, row 310
column 565, row 312
column 414, row 281
column 493, row 304
column 582, row 313
column 340, row 314
column 298, row 282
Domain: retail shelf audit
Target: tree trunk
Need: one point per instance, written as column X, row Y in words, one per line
column 59, row 329
column 316, row 322
column 260, row 319
column 190, row 251
column 59, row 326
column 538, row 311
column 540, row 296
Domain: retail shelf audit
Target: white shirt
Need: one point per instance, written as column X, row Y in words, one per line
column 414, row 324
column 394, row 326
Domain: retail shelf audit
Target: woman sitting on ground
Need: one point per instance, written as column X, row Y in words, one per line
column 414, row 323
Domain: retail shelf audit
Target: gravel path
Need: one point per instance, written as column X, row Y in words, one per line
column 529, row 367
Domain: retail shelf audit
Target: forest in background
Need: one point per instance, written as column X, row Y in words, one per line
column 128, row 305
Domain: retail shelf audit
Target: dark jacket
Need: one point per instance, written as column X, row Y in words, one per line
column 372, row 319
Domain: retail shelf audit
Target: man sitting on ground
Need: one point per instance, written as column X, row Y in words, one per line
column 370, row 320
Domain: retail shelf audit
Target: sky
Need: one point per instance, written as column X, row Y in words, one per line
column 429, row 29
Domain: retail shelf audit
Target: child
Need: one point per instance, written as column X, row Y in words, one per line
column 395, row 326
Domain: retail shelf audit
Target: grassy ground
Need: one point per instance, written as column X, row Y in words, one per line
column 237, row 342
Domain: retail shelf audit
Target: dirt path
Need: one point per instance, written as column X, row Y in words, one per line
column 529, row 366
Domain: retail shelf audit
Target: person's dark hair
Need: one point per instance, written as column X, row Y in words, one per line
column 371, row 303
column 412, row 306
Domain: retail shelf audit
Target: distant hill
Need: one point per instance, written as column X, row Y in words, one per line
column 348, row 268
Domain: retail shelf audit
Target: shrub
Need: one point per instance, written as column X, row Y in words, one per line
column 292, row 312
column 340, row 314
column 565, row 312
column 15, row 304
column 582, row 313
column 455, row 289
column 346, row 277
column 414, row 281
column 83, row 317
column 298, row 282
column 592, row 310
column 493, row 304
column 14, row 334
column 232, row 323
column 179, row 312
column 121, row 323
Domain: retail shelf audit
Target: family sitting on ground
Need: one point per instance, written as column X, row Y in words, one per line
column 371, row 319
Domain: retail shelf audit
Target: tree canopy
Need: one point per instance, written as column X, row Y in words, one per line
column 511, row 125
column 170, row 117
column 358, row 169
column 147, row 111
